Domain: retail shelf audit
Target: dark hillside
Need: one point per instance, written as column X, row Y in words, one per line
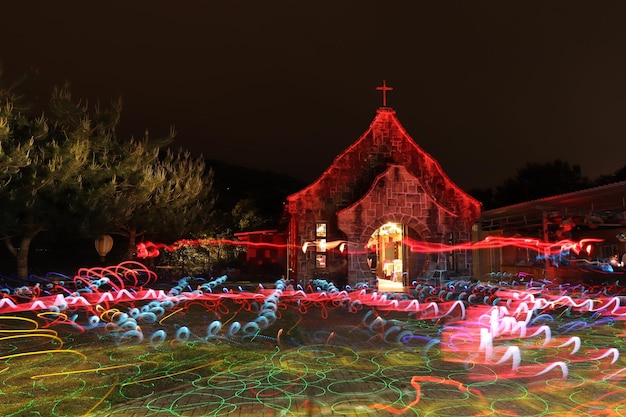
column 268, row 189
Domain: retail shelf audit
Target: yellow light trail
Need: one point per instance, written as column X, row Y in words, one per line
column 83, row 371
column 19, row 319
column 23, row 336
column 170, row 315
column 170, row 375
column 40, row 352
column 96, row 405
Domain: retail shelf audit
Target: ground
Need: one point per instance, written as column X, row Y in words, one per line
column 207, row 347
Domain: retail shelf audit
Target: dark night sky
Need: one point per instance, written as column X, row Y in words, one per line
column 483, row 86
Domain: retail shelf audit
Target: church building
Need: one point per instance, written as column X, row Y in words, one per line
column 372, row 210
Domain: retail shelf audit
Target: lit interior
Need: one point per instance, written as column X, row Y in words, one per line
column 387, row 245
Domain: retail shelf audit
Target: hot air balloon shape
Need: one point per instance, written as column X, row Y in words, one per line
column 104, row 243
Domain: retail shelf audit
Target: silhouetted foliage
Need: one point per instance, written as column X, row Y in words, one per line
column 619, row 175
column 42, row 171
column 534, row 181
column 246, row 200
column 65, row 172
column 261, row 191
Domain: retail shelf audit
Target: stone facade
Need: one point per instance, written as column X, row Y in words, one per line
column 395, row 196
column 383, row 177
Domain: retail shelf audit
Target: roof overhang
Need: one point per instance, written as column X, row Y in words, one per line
column 607, row 201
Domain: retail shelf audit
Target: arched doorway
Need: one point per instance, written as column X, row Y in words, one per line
column 390, row 256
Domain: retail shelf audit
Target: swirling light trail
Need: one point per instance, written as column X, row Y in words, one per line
column 518, row 333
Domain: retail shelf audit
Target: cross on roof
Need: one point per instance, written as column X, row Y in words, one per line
column 384, row 89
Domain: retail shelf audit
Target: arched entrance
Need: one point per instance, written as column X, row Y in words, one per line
column 390, row 256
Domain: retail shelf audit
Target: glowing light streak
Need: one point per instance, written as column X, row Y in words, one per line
column 415, row 383
column 33, row 335
column 7, row 304
column 151, row 249
column 474, row 332
column 141, row 381
column 104, row 397
column 170, row 315
column 92, row 370
column 572, row 340
column 609, row 352
column 19, row 319
column 42, row 352
column 615, row 375
column 546, row 331
column 513, row 353
column 295, row 325
column 561, row 365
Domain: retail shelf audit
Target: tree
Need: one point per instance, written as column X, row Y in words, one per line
column 66, row 170
column 619, row 175
column 246, row 199
column 43, row 160
column 14, row 150
column 143, row 189
column 535, row 180
column 246, row 215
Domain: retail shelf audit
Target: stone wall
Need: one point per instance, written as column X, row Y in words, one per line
column 403, row 201
column 383, row 176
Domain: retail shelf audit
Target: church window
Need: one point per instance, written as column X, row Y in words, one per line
column 320, row 230
column 320, row 260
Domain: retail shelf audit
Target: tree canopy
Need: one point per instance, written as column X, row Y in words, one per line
column 66, row 170
column 538, row 180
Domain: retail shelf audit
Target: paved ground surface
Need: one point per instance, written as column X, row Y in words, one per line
column 365, row 356
column 379, row 397
column 337, row 380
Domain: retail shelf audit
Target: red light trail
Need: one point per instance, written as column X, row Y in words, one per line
column 517, row 333
column 152, row 250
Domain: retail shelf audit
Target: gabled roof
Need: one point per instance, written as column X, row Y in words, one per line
column 387, row 142
column 387, row 175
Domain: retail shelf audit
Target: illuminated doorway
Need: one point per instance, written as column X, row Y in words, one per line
column 387, row 252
